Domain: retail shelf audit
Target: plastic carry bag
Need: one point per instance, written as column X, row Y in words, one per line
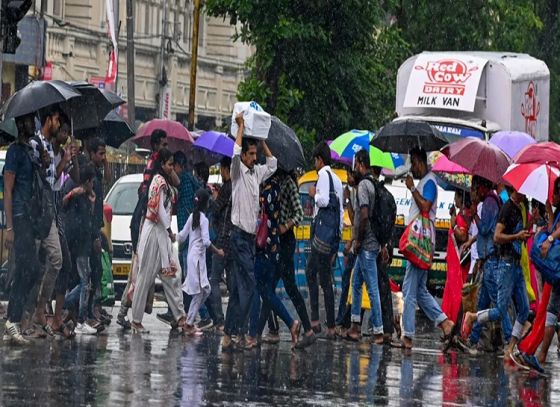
column 257, row 121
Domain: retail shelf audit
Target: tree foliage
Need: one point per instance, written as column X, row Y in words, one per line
column 327, row 66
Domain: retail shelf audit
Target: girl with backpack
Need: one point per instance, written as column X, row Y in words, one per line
column 196, row 283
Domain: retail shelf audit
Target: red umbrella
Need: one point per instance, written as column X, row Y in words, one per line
column 534, row 179
column 538, row 153
column 178, row 137
column 479, row 157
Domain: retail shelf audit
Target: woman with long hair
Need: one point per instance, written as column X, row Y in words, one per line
column 196, row 284
column 155, row 246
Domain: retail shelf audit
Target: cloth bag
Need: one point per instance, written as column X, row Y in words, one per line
column 416, row 243
column 256, row 120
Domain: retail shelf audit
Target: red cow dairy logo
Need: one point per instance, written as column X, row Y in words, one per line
column 446, row 77
column 530, row 108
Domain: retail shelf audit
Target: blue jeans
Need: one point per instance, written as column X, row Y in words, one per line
column 415, row 292
column 488, row 295
column 511, row 284
column 266, row 275
column 365, row 270
column 82, row 292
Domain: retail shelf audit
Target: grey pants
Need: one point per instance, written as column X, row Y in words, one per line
column 44, row 287
column 171, row 288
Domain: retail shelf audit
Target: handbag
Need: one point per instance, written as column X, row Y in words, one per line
column 416, row 243
column 326, row 225
column 549, row 267
column 262, row 230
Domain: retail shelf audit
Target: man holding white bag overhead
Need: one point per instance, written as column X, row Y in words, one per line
column 246, row 178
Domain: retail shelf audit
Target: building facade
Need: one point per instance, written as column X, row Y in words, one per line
column 78, row 47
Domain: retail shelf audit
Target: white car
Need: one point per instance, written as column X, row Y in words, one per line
column 122, row 198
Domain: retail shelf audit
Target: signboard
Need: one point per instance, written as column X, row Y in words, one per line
column 97, row 81
column 452, row 132
column 165, row 104
column 47, row 71
column 444, row 81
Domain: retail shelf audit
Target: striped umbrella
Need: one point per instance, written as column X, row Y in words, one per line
column 534, row 180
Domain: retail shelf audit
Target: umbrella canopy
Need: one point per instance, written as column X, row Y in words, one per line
column 511, row 142
column 38, row 95
column 401, row 136
column 538, row 153
column 348, row 144
column 89, row 110
column 113, row 129
column 443, row 165
column 534, row 179
column 178, row 137
column 285, row 146
column 335, row 157
column 211, row 146
column 479, row 158
column 9, row 129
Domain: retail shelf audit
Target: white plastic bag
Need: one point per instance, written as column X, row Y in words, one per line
column 257, row 121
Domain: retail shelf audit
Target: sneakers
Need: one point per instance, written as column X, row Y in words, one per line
column 205, row 324
column 467, row 346
column 123, row 321
column 13, row 334
column 85, row 329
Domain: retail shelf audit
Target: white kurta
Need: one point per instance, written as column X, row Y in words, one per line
column 199, row 241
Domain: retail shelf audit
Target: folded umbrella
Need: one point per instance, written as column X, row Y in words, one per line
column 401, row 136
column 211, row 146
column 511, row 142
column 36, row 96
column 479, row 158
column 284, row 145
column 178, row 137
column 349, row 143
column 533, row 179
column 538, row 153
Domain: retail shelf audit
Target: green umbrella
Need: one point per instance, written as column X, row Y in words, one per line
column 348, row 144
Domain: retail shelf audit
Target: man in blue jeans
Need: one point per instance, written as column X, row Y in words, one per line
column 488, row 255
column 511, row 284
column 367, row 248
column 424, row 199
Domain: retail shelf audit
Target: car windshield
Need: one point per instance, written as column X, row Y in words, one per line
column 123, row 198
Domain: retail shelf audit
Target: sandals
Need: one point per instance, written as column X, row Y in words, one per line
column 139, row 329
column 64, row 331
column 399, row 344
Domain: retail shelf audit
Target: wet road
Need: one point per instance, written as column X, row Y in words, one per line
column 163, row 369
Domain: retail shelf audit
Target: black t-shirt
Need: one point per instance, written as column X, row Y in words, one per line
column 510, row 216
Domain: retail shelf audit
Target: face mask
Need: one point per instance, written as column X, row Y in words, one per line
column 504, row 196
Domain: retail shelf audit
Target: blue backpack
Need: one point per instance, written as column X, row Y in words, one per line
column 549, row 267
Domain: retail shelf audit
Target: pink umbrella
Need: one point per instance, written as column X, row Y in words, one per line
column 443, row 164
column 538, row 153
column 178, row 137
column 478, row 157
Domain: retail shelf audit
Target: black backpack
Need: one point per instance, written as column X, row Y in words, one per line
column 384, row 212
column 41, row 205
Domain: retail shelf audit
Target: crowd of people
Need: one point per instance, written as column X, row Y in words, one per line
column 53, row 199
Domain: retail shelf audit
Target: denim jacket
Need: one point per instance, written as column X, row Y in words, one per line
column 487, row 226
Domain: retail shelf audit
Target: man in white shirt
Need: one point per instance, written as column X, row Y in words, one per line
column 321, row 256
column 245, row 178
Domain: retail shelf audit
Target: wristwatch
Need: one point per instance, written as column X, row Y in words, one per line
column 413, row 189
column 550, row 239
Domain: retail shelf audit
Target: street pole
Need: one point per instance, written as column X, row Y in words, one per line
column 130, row 62
column 162, row 80
column 194, row 62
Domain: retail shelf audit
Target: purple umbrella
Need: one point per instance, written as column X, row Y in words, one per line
column 511, row 142
column 211, row 146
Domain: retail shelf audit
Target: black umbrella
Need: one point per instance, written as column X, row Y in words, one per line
column 38, row 95
column 285, row 146
column 91, row 109
column 113, row 129
column 401, row 136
